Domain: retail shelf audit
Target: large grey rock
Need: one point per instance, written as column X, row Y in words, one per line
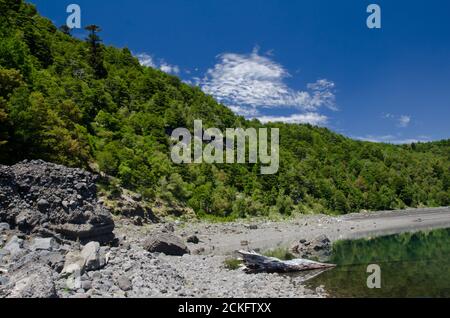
column 45, row 198
column 3, row 254
column 124, row 283
column 55, row 260
column 34, row 281
column 74, row 263
column 4, row 227
column 43, row 205
column 44, row 244
column 94, row 256
column 3, row 281
column 14, row 246
column 86, row 284
column 165, row 243
column 74, row 282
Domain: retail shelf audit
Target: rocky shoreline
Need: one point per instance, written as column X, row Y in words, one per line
column 41, row 268
column 58, row 240
column 104, row 256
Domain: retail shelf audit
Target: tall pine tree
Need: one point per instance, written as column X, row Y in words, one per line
column 96, row 51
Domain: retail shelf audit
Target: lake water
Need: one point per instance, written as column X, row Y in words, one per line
column 412, row 265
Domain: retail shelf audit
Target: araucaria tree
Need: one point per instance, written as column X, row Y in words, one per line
column 96, row 51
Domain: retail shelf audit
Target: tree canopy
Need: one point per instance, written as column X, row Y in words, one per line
column 84, row 104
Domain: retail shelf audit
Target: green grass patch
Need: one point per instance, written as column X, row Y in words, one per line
column 232, row 264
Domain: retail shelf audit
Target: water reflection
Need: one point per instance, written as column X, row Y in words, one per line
column 412, row 265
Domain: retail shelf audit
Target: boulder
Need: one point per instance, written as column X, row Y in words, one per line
column 94, row 256
column 74, row 263
column 55, row 260
column 73, row 282
column 165, row 243
column 14, row 246
column 43, row 205
column 33, row 281
column 4, row 227
column 124, row 283
column 3, row 254
column 91, row 258
column 44, row 244
column 86, row 284
column 3, row 281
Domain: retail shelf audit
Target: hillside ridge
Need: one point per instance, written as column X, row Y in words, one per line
column 83, row 104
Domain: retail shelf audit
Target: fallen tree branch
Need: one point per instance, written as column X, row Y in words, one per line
column 255, row 262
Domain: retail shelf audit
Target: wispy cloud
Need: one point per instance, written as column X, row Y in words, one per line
column 402, row 121
column 244, row 111
column 307, row 118
column 256, row 81
column 171, row 69
column 250, row 83
column 147, row 60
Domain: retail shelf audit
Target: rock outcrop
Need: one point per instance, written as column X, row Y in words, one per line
column 53, row 200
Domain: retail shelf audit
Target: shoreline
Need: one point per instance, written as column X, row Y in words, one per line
column 130, row 271
column 225, row 238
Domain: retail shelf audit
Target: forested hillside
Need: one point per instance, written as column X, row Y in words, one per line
column 83, row 104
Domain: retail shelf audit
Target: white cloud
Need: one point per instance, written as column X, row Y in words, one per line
column 404, row 121
column 307, row 118
column 147, row 60
column 249, row 83
column 171, row 69
column 259, row 82
column 244, row 111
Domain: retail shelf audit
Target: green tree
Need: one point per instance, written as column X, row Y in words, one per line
column 96, row 51
column 10, row 79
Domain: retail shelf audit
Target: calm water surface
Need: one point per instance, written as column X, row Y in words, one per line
column 412, row 265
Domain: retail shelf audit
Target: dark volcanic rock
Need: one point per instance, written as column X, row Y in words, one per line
column 45, row 198
column 193, row 239
column 166, row 243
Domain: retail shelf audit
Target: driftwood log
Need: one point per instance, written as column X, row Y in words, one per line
column 255, row 262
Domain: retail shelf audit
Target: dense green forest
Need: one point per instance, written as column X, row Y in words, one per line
column 84, row 104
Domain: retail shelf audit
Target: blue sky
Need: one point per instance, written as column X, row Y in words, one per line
column 296, row 61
